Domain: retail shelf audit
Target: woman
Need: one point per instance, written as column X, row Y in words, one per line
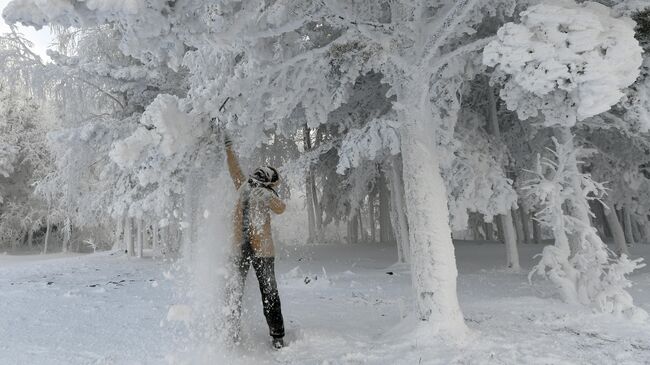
column 253, row 244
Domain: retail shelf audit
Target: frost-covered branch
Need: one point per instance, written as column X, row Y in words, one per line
column 446, row 27
column 367, row 143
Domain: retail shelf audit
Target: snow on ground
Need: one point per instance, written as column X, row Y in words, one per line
column 342, row 305
column 83, row 309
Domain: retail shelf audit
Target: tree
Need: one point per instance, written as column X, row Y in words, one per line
column 570, row 61
column 24, row 160
column 589, row 277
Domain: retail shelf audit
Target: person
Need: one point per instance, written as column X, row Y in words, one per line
column 253, row 244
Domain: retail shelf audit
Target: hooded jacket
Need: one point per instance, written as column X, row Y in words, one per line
column 259, row 202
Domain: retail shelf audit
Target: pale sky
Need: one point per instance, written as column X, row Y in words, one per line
column 41, row 38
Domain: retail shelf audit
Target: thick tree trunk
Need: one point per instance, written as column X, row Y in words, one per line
column 398, row 209
column 510, row 240
column 617, row 230
column 433, row 263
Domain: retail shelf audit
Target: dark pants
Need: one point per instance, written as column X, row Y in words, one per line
column 265, row 271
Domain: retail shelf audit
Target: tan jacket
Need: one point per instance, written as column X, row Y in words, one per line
column 259, row 213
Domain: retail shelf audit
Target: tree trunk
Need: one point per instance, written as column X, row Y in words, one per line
column 30, row 238
column 353, row 228
column 617, row 230
column 318, row 211
column 164, row 239
column 506, row 226
column 47, row 233
column 476, row 224
column 500, row 235
column 118, row 236
column 646, row 229
column 128, row 236
column 510, row 240
column 385, row 227
column 140, row 237
column 567, row 280
column 493, row 119
column 362, row 232
column 636, row 228
column 578, row 206
column 66, row 235
column 314, row 212
column 14, row 244
column 371, row 215
column 519, row 228
column 398, row 209
column 599, row 210
column 525, row 222
column 627, row 221
column 309, row 203
column 537, row 232
column 433, row 263
column 155, row 240
column 489, row 231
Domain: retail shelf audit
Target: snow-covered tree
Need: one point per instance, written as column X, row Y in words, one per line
column 570, row 62
column 589, row 277
column 24, row 160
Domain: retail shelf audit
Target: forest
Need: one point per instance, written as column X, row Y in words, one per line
column 445, row 182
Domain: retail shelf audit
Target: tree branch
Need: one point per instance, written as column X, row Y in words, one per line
column 446, row 27
column 38, row 59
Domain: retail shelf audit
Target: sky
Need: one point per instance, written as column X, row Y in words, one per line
column 41, row 38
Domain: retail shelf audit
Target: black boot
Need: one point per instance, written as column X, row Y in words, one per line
column 278, row 343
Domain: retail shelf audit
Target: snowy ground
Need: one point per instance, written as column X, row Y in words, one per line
column 342, row 305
